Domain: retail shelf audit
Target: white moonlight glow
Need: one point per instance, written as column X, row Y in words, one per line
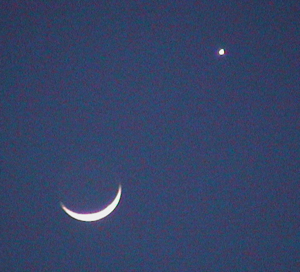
column 90, row 217
column 221, row 52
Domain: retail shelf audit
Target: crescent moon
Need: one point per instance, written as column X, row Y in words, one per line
column 90, row 217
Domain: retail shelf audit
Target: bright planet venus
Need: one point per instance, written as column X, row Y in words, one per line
column 221, row 52
column 91, row 217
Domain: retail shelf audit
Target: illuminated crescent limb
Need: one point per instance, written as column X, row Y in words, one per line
column 90, row 217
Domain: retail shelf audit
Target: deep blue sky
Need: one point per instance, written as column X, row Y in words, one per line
column 205, row 147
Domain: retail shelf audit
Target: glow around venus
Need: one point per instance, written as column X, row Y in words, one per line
column 90, row 217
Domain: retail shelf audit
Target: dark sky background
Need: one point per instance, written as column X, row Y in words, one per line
column 206, row 147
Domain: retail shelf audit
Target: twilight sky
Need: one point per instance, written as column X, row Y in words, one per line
column 206, row 147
